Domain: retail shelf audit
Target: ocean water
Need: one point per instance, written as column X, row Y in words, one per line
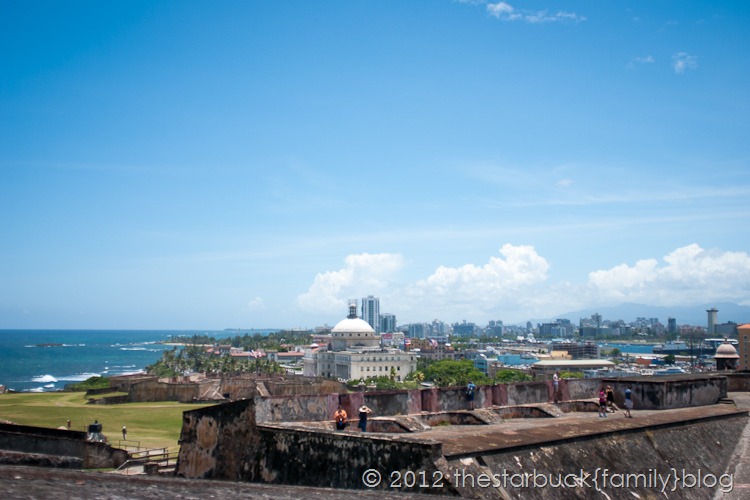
column 630, row 348
column 47, row 360
column 515, row 359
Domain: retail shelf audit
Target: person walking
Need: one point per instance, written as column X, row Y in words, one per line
column 628, row 402
column 602, row 403
column 124, row 432
column 611, row 400
column 363, row 412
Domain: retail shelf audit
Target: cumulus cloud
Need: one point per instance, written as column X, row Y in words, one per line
column 515, row 286
column 472, row 291
column 682, row 62
column 506, row 12
column 521, row 266
column 687, row 275
column 362, row 274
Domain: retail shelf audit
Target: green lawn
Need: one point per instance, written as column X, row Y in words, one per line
column 154, row 425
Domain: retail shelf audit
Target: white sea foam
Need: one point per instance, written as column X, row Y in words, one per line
column 36, row 389
column 135, row 372
column 44, row 379
column 80, row 377
column 49, row 386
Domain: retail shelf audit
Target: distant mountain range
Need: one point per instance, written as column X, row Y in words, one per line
column 692, row 315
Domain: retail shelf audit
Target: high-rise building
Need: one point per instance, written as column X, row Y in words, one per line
column 671, row 325
column 711, row 330
column 387, row 323
column 743, row 347
column 371, row 312
column 596, row 318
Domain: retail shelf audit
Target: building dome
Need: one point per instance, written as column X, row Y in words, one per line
column 353, row 333
column 726, row 350
column 353, row 325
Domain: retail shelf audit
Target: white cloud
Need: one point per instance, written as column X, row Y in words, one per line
column 506, row 12
column 256, row 304
column 682, row 62
column 478, row 291
column 688, row 275
column 640, row 60
column 515, row 285
column 363, row 274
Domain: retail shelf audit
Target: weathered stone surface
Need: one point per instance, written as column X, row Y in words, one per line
column 42, row 483
column 632, row 461
column 44, row 442
column 663, row 393
column 341, row 460
column 527, row 392
column 218, row 441
column 489, row 440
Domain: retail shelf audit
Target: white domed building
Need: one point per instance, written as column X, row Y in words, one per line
column 355, row 353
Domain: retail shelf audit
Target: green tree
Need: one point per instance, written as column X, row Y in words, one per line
column 446, row 372
column 415, row 376
column 510, row 376
column 669, row 359
column 382, row 382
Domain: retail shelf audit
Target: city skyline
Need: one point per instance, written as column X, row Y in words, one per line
column 185, row 166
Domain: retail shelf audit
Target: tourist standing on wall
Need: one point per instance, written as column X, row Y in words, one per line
column 363, row 412
column 556, row 386
column 628, row 402
column 340, row 417
column 470, row 390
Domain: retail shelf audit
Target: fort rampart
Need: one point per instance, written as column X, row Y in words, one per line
column 45, row 442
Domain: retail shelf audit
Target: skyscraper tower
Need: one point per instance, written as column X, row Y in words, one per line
column 371, row 312
column 671, row 325
column 711, row 330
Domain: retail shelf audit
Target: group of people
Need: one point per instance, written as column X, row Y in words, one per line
column 607, row 401
column 340, row 418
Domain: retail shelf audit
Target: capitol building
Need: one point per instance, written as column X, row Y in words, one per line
column 355, row 353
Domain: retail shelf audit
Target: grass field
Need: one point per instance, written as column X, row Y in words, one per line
column 153, row 425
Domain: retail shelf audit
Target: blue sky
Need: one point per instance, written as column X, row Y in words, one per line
column 257, row 164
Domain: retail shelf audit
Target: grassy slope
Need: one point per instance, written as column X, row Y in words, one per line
column 154, row 425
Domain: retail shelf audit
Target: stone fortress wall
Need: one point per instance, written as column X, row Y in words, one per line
column 290, row 440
